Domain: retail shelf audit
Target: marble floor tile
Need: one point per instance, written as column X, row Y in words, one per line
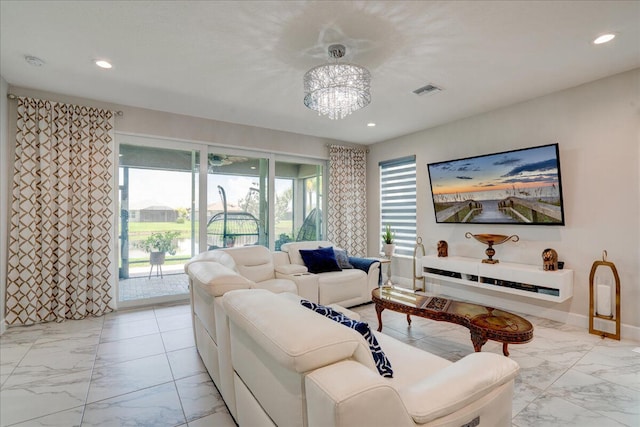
column 140, row 367
column 617, row 364
column 114, row 331
column 88, row 330
column 219, row 419
column 185, row 363
column 156, row 406
column 524, row 393
column 27, row 400
column 10, row 355
column 175, row 321
column 121, row 378
column 537, row 371
column 129, row 315
column 177, row 339
column 172, row 310
column 199, row 396
column 552, row 411
column 129, row 349
column 556, row 347
column 22, row 334
column 600, row 396
column 69, row 418
column 54, row 358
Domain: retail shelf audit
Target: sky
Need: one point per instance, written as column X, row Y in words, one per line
column 530, row 168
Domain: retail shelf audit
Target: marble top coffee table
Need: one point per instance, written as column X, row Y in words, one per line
column 485, row 323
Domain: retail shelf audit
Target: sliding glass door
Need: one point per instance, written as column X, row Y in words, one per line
column 173, row 206
column 237, row 200
column 158, row 227
column 298, row 202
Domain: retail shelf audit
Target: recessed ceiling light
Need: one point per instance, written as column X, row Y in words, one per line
column 604, row 38
column 34, row 61
column 103, row 64
column 371, row 124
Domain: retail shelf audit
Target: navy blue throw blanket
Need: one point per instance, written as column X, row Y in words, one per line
column 364, row 264
column 382, row 362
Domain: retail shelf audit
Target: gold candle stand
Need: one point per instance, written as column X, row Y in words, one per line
column 418, row 245
column 592, row 309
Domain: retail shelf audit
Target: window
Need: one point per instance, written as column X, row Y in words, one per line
column 398, row 202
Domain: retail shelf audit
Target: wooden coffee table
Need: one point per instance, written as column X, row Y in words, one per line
column 485, row 323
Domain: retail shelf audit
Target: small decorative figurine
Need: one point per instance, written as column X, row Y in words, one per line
column 549, row 260
column 443, row 248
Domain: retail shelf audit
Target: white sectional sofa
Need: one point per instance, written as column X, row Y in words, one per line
column 278, row 363
column 294, row 367
column 348, row 287
column 213, row 273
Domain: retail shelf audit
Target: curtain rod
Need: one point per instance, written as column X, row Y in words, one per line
column 118, row 113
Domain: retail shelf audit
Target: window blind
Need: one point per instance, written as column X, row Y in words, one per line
column 398, row 202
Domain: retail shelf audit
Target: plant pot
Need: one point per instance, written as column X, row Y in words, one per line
column 388, row 249
column 156, row 258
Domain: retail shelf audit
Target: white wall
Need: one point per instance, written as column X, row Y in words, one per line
column 4, row 194
column 597, row 128
column 142, row 121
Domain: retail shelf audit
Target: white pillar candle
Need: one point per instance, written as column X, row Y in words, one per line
column 604, row 300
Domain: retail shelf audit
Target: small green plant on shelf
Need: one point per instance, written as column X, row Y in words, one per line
column 388, row 236
column 160, row 242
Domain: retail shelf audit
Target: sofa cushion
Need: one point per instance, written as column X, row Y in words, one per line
column 253, row 262
column 212, row 256
column 277, row 285
column 296, row 338
column 293, row 249
column 216, row 279
column 320, row 260
column 382, row 362
column 343, row 258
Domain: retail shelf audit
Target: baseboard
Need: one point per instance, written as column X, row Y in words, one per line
column 506, row 302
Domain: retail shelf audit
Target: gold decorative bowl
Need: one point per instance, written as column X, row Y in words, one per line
column 491, row 239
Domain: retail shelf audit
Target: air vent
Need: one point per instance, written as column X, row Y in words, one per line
column 424, row 90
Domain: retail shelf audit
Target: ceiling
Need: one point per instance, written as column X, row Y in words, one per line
column 243, row 61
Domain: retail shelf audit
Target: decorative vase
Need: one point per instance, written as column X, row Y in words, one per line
column 156, row 258
column 388, row 249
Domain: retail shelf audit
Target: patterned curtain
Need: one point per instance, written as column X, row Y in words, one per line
column 347, row 204
column 61, row 224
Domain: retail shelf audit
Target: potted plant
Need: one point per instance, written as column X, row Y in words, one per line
column 158, row 245
column 387, row 241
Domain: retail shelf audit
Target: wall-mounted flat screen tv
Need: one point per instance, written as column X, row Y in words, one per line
column 511, row 187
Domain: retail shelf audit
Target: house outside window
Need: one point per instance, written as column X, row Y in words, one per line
column 398, row 202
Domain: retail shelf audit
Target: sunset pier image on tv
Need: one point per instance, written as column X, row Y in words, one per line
column 512, row 187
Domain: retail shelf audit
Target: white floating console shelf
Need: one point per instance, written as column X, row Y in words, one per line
column 518, row 279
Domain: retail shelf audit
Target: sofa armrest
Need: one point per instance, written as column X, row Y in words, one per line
column 371, row 266
column 347, row 393
column 306, row 283
column 216, row 279
column 280, row 258
column 474, row 376
column 289, row 269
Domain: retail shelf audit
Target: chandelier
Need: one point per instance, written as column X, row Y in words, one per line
column 337, row 90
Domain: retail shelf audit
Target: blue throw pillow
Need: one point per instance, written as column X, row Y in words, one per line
column 382, row 362
column 343, row 258
column 320, row 260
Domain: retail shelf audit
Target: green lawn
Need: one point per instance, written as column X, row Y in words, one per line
column 139, row 230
